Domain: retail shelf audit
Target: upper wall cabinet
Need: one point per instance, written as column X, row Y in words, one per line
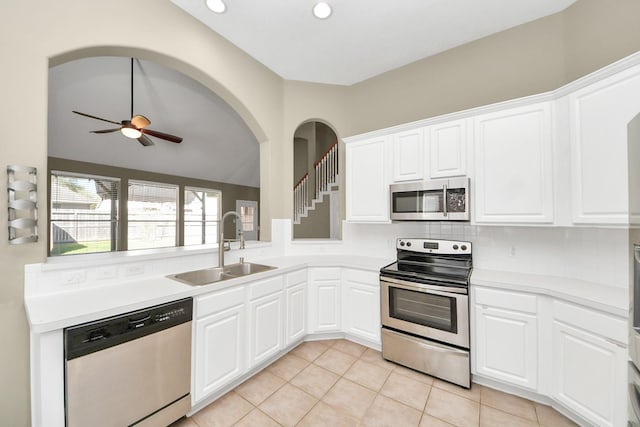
column 513, row 165
column 448, row 149
column 367, row 180
column 408, row 155
column 599, row 115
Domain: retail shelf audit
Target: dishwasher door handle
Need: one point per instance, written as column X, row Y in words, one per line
column 138, row 323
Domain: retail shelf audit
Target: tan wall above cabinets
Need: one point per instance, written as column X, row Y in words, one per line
column 557, row 158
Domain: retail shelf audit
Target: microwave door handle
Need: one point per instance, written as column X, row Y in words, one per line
column 444, row 200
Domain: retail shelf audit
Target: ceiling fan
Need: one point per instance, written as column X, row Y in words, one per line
column 136, row 127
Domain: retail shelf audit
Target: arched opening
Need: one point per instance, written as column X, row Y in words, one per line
column 315, row 182
column 218, row 161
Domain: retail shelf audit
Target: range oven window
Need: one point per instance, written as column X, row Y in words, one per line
column 434, row 311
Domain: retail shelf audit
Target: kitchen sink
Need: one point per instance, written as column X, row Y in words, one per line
column 218, row 274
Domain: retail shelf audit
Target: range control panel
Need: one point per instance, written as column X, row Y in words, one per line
column 431, row 246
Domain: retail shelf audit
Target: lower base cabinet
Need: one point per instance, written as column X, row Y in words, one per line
column 266, row 319
column 506, row 346
column 324, row 299
column 574, row 354
column 220, row 325
column 296, row 313
column 590, row 372
column 361, row 304
column 506, row 336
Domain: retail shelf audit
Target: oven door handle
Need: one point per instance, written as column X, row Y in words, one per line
column 412, row 286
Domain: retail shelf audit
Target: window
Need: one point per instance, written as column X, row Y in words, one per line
column 129, row 210
column 201, row 216
column 84, row 214
column 152, row 215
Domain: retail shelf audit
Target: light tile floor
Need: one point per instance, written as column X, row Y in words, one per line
column 340, row 383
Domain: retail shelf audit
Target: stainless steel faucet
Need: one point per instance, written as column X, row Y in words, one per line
column 221, row 237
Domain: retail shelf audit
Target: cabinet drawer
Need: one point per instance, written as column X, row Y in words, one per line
column 596, row 322
column 296, row 277
column 265, row 287
column 329, row 273
column 218, row 301
column 362, row 277
column 505, row 299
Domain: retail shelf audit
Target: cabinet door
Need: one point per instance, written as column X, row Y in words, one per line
column 513, row 168
column 589, row 375
column 324, row 300
column 599, row 117
column 361, row 308
column 266, row 327
column 219, row 350
column 448, row 149
column 367, row 180
column 408, row 155
column 296, row 313
column 506, row 346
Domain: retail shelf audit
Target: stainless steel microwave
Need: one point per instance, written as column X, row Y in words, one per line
column 434, row 200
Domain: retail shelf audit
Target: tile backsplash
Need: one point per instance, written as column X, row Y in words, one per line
column 594, row 254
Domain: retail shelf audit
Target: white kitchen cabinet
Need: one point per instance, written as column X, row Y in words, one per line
column 296, row 303
column 513, row 165
column 219, row 341
column 367, row 172
column 599, row 114
column 505, row 346
column 266, row 319
column 324, row 299
column 448, row 149
column 589, row 363
column 408, row 155
column 361, row 304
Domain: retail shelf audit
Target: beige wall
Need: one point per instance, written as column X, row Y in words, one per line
column 598, row 33
column 32, row 33
column 532, row 58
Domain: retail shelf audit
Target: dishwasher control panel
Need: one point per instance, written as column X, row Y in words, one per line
column 90, row 337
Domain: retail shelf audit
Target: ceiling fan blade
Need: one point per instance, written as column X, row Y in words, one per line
column 94, row 117
column 140, row 121
column 162, row 135
column 105, row 130
column 145, row 140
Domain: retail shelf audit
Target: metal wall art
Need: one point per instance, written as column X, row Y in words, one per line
column 23, row 212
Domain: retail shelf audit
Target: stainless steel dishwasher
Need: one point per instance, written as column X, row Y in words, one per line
column 130, row 369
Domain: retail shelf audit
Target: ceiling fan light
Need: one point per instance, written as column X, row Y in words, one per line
column 131, row 132
column 322, row 10
column 216, row 6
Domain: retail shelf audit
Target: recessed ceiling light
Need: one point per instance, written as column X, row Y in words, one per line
column 322, row 10
column 216, row 6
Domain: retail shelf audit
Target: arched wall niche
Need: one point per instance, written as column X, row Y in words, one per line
column 313, row 140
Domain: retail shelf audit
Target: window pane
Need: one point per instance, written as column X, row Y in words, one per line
column 247, row 214
column 201, row 216
column 152, row 215
column 84, row 214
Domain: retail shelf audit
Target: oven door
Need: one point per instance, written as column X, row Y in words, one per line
column 434, row 312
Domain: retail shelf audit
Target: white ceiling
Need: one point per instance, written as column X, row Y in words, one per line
column 217, row 146
column 362, row 38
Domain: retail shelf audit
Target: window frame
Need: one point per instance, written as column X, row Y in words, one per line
column 127, row 222
column 204, row 221
column 80, row 169
column 115, row 224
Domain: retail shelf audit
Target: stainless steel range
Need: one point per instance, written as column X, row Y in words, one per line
column 424, row 298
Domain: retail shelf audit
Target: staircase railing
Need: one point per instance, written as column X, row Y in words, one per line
column 301, row 197
column 326, row 170
column 326, row 175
